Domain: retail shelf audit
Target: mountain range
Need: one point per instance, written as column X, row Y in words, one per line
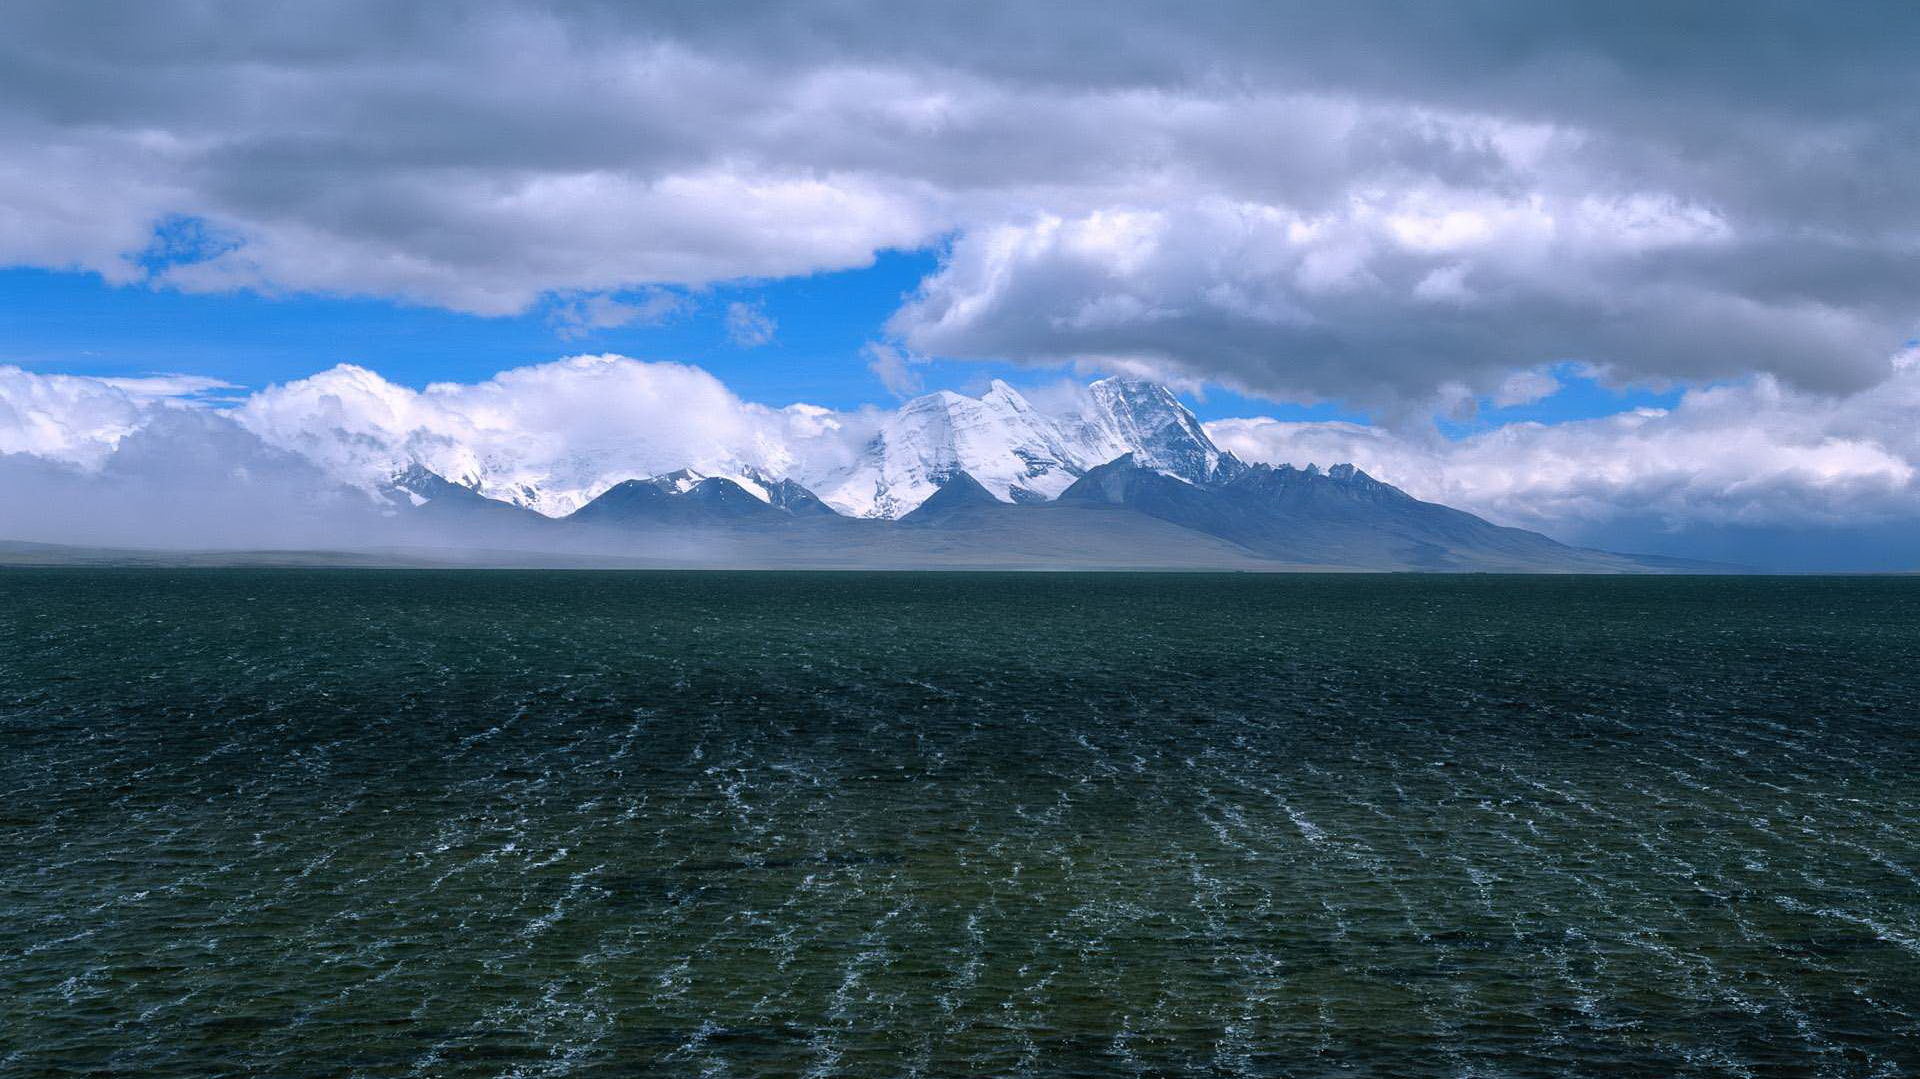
column 1129, row 479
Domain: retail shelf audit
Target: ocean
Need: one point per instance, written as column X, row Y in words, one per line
column 449, row 823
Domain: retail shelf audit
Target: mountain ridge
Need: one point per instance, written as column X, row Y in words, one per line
column 1121, row 514
column 1123, row 474
column 1017, row 450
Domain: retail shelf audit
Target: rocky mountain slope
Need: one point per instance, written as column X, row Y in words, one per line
column 1338, row 517
column 1119, row 476
column 1119, row 515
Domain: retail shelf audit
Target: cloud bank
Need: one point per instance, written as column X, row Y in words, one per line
column 1756, row 472
column 148, row 462
column 552, row 436
column 1380, row 203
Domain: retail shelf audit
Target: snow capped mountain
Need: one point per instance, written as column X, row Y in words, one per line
column 1014, row 451
column 1148, row 421
column 549, row 438
column 555, row 437
column 1017, row 452
column 782, row 494
column 679, row 498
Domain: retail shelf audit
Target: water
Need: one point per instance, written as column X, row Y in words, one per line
column 446, row 824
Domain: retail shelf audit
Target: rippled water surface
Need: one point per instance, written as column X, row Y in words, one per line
column 434, row 823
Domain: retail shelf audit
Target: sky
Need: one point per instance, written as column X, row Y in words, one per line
column 1639, row 275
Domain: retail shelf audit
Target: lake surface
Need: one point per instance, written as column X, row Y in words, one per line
column 391, row 823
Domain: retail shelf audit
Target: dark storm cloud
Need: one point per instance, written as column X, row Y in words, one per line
column 1365, row 201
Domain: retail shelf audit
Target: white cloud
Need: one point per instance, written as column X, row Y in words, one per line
column 894, row 367
column 565, row 431
column 154, row 387
column 469, row 246
column 1751, row 454
column 79, row 421
column 1390, row 299
column 749, row 325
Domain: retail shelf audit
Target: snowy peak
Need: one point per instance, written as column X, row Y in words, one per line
column 866, row 464
column 677, row 500
column 748, row 480
column 785, row 494
column 1151, row 422
column 417, row 485
column 688, row 496
column 680, row 481
column 1013, row 450
column 1019, row 453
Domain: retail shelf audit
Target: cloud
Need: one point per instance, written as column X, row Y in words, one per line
column 1756, row 454
column 1386, row 301
column 577, row 316
column 80, row 421
column 749, row 325
column 1524, row 387
column 184, row 478
column 894, row 367
column 156, row 387
column 1362, row 201
column 1754, row 461
column 564, row 431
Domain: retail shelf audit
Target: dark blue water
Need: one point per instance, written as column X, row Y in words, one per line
column 434, row 823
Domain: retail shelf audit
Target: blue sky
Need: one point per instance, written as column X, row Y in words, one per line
column 77, row 323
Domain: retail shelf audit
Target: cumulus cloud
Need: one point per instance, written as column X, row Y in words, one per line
column 1756, row 454
column 1387, row 301
column 151, row 461
column 551, row 436
column 1362, row 201
column 81, row 421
